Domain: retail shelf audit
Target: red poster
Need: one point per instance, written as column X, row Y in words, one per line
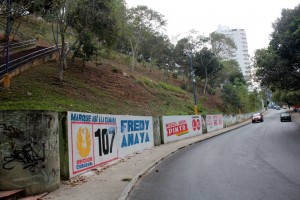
column 177, row 129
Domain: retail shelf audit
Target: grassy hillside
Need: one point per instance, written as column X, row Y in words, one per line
column 106, row 86
column 109, row 87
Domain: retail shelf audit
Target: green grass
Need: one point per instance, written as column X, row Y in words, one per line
column 39, row 89
column 171, row 88
column 146, row 82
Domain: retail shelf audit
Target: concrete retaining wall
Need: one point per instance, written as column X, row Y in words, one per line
column 156, row 131
column 37, row 147
column 29, row 151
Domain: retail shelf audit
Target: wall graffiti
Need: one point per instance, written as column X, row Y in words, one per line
column 10, row 131
column 27, row 156
column 29, row 151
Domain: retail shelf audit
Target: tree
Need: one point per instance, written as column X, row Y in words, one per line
column 279, row 64
column 288, row 97
column 214, row 48
column 142, row 21
column 180, row 58
column 94, row 19
column 274, row 71
column 185, row 52
column 98, row 17
column 230, row 98
column 222, row 46
column 20, row 8
column 208, row 65
column 86, row 48
column 156, row 49
column 229, row 72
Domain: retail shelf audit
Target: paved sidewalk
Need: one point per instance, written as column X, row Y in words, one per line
column 116, row 180
column 295, row 116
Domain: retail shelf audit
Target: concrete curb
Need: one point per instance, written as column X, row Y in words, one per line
column 134, row 180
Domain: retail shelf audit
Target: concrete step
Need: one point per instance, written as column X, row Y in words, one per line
column 12, row 194
column 35, row 197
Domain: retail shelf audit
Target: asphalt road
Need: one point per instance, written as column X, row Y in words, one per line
column 259, row 161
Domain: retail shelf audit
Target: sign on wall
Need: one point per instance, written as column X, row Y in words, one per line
column 179, row 127
column 96, row 139
column 214, row 122
column 136, row 134
column 92, row 141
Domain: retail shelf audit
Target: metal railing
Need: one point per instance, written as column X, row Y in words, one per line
column 16, row 63
column 19, row 45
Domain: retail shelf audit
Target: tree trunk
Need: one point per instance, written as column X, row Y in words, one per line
column 166, row 75
column 133, row 55
column 133, row 61
column 61, row 70
column 83, row 65
column 61, row 63
column 205, row 82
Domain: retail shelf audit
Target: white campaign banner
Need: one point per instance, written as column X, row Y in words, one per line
column 135, row 134
column 214, row 122
column 229, row 120
column 92, row 141
column 240, row 118
column 179, row 127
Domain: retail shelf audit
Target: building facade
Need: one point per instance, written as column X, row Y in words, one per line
column 241, row 54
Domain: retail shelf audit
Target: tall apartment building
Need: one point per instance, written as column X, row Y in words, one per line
column 241, row 54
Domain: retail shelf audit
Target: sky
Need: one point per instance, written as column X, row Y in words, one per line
column 254, row 16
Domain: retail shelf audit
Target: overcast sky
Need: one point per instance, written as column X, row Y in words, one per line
column 204, row 16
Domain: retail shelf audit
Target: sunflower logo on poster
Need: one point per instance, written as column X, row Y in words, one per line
column 83, row 146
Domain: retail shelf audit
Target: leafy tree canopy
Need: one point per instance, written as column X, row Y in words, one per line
column 222, row 45
column 206, row 63
column 229, row 72
column 279, row 64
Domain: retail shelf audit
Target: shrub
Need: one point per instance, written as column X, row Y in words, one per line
column 183, row 86
column 115, row 70
column 175, row 75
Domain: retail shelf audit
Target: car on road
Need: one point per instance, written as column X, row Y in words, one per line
column 257, row 117
column 277, row 108
column 285, row 117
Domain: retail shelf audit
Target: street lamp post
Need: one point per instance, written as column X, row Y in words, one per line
column 193, row 83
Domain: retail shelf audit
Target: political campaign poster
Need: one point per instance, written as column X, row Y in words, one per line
column 180, row 127
column 92, row 141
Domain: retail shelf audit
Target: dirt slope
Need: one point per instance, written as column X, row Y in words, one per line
column 104, row 86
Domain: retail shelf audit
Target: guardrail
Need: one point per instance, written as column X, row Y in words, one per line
column 19, row 45
column 14, row 64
